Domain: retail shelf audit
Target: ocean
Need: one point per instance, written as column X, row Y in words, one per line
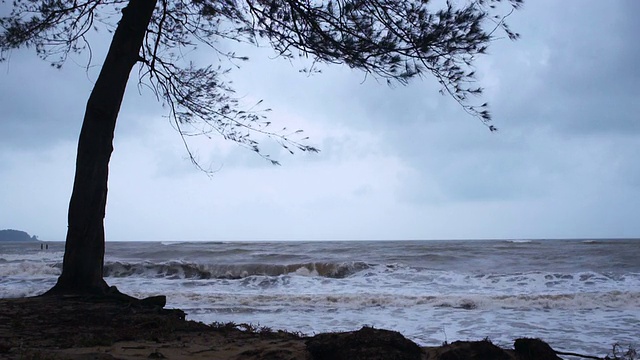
column 578, row 295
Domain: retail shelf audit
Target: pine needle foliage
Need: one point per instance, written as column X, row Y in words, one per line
column 393, row 40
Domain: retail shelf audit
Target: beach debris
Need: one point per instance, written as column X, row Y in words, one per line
column 534, row 349
column 467, row 350
column 367, row 343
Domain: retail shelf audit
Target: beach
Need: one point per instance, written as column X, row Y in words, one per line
column 78, row 328
column 84, row 327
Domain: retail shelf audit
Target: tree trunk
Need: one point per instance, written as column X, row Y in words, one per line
column 82, row 268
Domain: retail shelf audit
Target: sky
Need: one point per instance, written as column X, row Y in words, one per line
column 401, row 162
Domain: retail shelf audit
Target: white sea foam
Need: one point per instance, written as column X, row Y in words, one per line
column 33, row 256
column 28, row 269
column 579, row 296
column 173, row 243
column 266, row 292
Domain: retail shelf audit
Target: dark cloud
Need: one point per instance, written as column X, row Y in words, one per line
column 407, row 160
column 580, row 76
column 563, row 88
column 40, row 105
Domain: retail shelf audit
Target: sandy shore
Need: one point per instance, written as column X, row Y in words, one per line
column 90, row 328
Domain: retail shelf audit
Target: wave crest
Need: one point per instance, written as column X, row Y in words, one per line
column 183, row 270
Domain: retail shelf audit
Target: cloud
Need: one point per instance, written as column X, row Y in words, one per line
column 35, row 188
column 39, row 104
column 303, row 200
column 396, row 162
column 571, row 74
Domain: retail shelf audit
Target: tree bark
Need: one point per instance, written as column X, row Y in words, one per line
column 82, row 268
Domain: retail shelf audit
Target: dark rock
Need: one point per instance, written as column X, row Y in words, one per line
column 364, row 344
column 4, row 348
column 534, row 349
column 159, row 301
column 472, row 350
column 156, row 355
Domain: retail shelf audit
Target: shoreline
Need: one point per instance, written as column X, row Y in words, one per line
column 81, row 327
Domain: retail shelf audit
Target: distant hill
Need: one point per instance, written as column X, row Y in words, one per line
column 16, row 235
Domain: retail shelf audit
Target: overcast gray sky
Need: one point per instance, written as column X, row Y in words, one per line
column 396, row 163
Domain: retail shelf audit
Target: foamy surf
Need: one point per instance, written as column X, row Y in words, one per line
column 579, row 295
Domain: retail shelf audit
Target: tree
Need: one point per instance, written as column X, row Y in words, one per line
column 394, row 40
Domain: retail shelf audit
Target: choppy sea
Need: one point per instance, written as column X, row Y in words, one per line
column 578, row 295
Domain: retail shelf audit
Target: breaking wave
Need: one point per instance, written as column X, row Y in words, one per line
column 472, row 302
column 185, row 270
column 30, row 269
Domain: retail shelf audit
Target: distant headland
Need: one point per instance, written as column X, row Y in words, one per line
column 16, row 235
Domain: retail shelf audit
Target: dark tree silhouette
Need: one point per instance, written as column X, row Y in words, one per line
column 394, row 40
